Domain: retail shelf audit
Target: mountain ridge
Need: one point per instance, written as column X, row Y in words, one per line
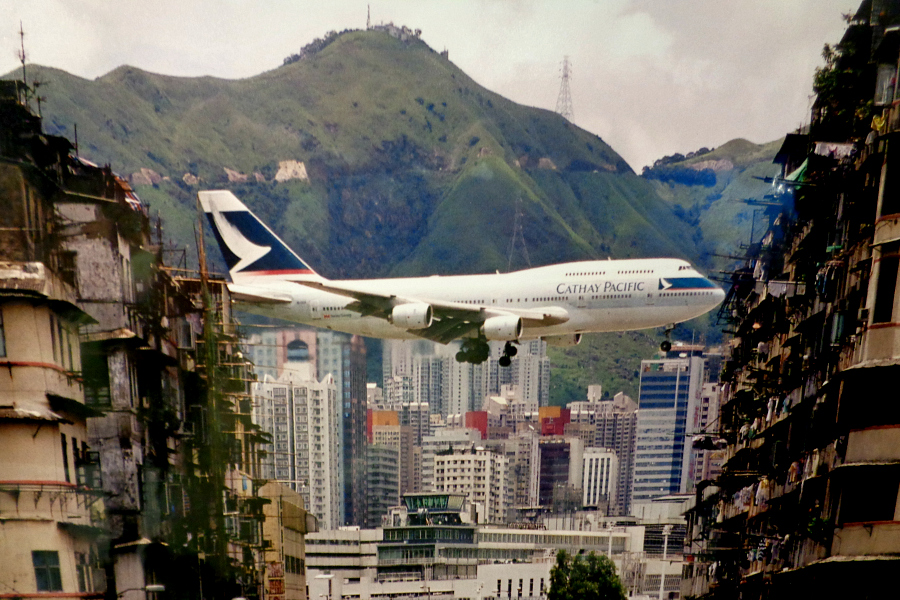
column 411, row 167
column 398, row 144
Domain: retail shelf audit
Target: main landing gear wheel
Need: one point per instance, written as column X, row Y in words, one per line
column 473, row 351
column 666, row 345
column 508, row 352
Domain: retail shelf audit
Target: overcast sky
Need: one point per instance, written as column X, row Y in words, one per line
column 650, row 77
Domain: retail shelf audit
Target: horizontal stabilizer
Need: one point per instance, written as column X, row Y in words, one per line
column 257, row 295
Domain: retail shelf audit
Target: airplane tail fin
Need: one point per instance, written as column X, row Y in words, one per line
column 250, row 248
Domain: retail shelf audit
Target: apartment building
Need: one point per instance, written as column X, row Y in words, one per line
column 806, row 501
column 480, row 474
column 301, row 416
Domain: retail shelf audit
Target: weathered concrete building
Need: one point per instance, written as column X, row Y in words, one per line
column 286, row 524
column 49, row 509
column 806, row 504
column 124, row 408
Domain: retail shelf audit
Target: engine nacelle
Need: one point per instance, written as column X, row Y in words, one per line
column 506, row 328
column 563, row 341
column 412, row 316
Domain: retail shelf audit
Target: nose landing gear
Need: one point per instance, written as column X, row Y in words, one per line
column 666, row 344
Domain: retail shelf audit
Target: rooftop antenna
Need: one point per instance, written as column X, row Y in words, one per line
column 38, row 97
column 517, row 236
column 564, row 100
column 22, row 56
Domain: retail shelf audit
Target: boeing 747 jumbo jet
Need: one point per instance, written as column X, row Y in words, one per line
column 557, row 303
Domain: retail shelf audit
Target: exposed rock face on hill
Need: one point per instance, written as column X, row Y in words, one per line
column 291, row 169
column 145, row 177
column 714, row 165
column 371, row 156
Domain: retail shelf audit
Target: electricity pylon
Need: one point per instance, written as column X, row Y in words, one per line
column 564, row 101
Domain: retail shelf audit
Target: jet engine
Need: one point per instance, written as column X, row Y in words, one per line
column 563, row 341
column 505, row 328
column 412, row 316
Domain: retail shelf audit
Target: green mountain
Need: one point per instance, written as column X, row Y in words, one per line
column 413, row 168
column 709, row 191
column 373, row 156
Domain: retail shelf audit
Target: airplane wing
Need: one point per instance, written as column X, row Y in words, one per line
column 452, row 320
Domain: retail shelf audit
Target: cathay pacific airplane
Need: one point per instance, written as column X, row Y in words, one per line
column 557, row 303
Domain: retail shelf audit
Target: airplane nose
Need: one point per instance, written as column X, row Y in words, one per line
column 719, row 295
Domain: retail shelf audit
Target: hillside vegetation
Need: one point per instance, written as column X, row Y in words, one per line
column 710, row 191
column 413, row 167
column 372, row 157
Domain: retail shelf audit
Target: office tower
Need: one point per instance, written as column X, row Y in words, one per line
column 416, row 416
column 669, row 395
column 561, row 463
column 344, row 356
column 383, row 468
column 386, row 431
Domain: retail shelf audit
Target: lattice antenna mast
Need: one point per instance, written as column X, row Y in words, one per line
column 564, row 101
column 22, row 58
column 517, row 236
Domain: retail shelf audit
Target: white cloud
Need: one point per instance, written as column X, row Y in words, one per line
column 651, row 77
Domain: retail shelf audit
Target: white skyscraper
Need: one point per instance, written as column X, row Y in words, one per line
column 598, row 478
column 302, row 416
column 529, row 372
column 421, row 371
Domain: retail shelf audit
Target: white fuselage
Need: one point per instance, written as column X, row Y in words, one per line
column 611, row 295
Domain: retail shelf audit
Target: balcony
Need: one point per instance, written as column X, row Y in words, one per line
column 867, row 539
column 74, row 508
column 887, row 229
column 876, row 444
column 35, row 278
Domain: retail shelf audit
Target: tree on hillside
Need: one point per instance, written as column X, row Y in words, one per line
column 584, row 577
